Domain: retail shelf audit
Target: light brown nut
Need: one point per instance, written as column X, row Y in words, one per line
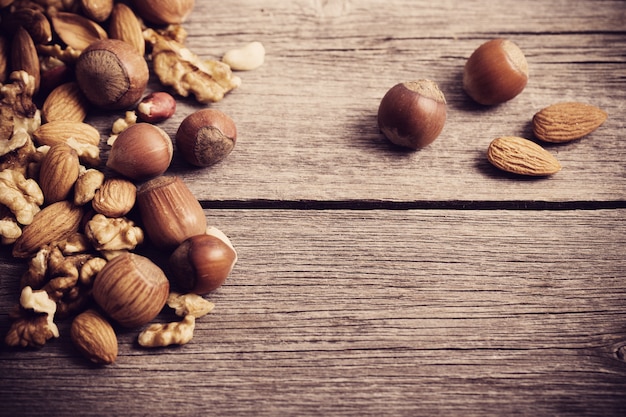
column 86, row 186
column 65, row 102
column 115, row 198
column 24, row 55
column 82, row 137
column 54, row 223
column 97, row 10
column 60, row 130
column 94, row 337
column 78, row 32
column 156, row 107
column 175, row 333
column 521, row 156
column 58, row 173
column 124, row 25
column 246, row 58
column 563, row 122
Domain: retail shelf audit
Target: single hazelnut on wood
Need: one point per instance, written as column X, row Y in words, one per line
column 131, row 289
column 112, row 74
column 496, row 72
column 206, row 137
column 202, row 263
column 169, row 211
column 412, row 114
column 142, row 151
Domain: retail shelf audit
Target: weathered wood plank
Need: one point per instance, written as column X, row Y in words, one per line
column 374, row 312
column 307, row 118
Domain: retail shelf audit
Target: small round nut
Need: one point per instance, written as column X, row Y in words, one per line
column 131, row 289
column 156, row 107
column 141, row 151
column 412, row 114
column 112, row 74
column 206, row 137
column 202, row 263
column 164, row 12
column 496, row 72
column 169, row 211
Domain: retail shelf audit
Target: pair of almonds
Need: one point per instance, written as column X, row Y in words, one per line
column 558, row 123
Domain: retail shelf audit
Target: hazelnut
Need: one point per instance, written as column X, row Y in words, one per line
column 112, row 74
column 202, row 263
column 412, row 114
column 131, row 289
column 495, row 72
column 164, row 12
column 206, row 137
column 141, row 151
column 170, row 213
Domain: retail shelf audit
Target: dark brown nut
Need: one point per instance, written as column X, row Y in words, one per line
column 112, row 74
column 206, row 137
column 156, row 107
column 412, row 114
column 495, row 72
column 164, row 12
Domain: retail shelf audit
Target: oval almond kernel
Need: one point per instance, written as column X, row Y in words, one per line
column 521, row 156
column 563, row 122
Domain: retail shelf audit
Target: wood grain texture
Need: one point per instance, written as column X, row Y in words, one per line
column 307, row 117
column 371, row 280
column 375, row 312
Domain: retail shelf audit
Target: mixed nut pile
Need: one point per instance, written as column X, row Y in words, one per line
column 68, row 214
column 413, row 114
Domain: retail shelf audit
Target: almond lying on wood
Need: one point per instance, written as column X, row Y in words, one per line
column 521, row 156
column 563, row 122
column 94, row 337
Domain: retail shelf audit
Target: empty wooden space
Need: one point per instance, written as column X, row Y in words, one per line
column 372, row 280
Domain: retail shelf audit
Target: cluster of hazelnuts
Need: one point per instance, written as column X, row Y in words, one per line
column 412, row 114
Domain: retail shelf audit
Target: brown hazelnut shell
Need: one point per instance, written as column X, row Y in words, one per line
column 412, row 114
column 206, row 137
column 496, row 72
column 202, row 263
column 112, row 74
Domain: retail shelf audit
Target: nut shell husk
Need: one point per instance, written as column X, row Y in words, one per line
column 164, row 12
column 140, row 152
column 202, row 263
column 412, row 114
column 169, row 211
column 112, row 74
column 496, row 72
column 206, row 137
column 131, row 289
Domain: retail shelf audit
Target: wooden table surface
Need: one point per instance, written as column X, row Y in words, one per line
column 372, row 280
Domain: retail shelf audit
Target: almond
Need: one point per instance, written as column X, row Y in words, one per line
column 521, row 156
column 53, row 223
column 59, row 131
column 77, row 31
column 65, row 102
column 98, row 10
column 124, row 25
column 94, row 337
column 58, row 173
column 24, row 55
column 563, row 122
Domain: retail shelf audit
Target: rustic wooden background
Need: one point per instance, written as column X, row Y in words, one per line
column 372, row 280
